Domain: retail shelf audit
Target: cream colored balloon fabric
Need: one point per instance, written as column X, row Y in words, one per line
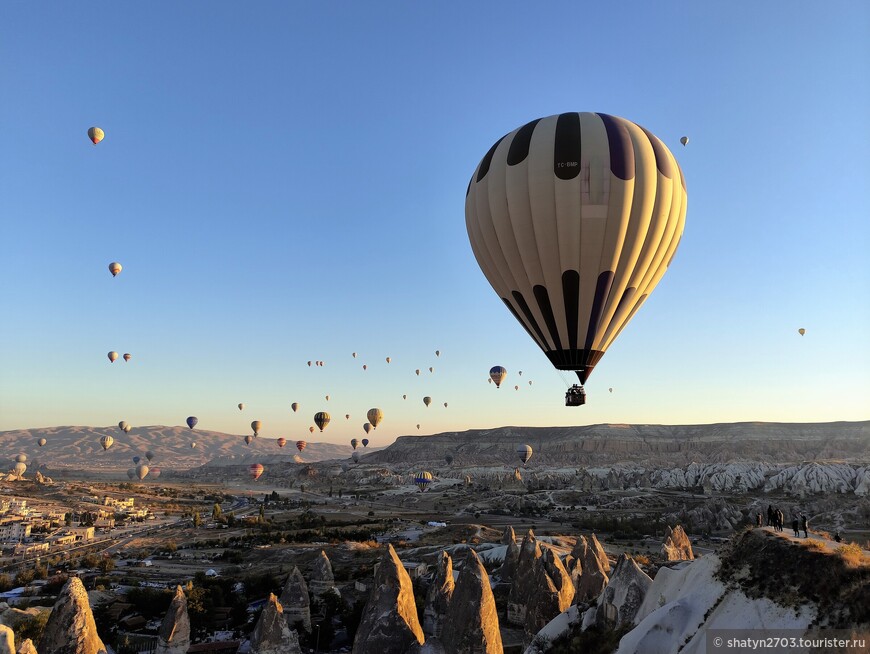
column 574, row 220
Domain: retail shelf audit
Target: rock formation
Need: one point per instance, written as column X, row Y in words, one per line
column 294, row 599
column 676, row 546
column 321, row 579
column 472, row 619
column 438, row 597
column 7, row 640
column 594, row 577
column 271, row 634
column 551, row 593
column 508, row 536
column 596, row 547
column 174, row 634
column 620, row 601
column 508, row 568
column 389, row 624
column 523, row 580
column 70, row 628
column 26, row 647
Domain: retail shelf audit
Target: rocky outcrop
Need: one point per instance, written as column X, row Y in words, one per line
column 594, row 577
column 676, row 546
column 7, row 640
column 508, row 568
column 27, row 647
column 389, row 624
column 174, row 634
column 70, row 628
column 508, row 536
column 271, row 634
column 523, row 580
column 551, row 593
column 321, row 579
column 599, row 552
column 621, row 600
column 294, row 599
column 438, row 597
column 472, row 616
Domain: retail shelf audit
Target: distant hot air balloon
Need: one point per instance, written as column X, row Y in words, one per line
column 248, row 439
column 149, row 455
column 417, row 372
column 445, row 405
column 404, row 397
column 241, row 405
column 365, row 442
column 96, row 134
column 354, row 443
column 256, row 426
column 127, row 429
column 256, row 470
column 497, row 374
column 610, row 389
column 122, row 425
column 155, row 472
column 449, row 458
column 20, row 468
column 367, row 428
column 354, row 355
column 365, row 367
column 530, row 382
column 301, row 445
column 311, row 429
column 427, row 400
column 437, row 353
column 355, row 457
column 295, row 407
column 142, row 471
column 375, row 417
column 802, row 331
column 423, row 480
column 488, row 380
column 20, row 458
column 193, row 444
column 127, row 356
column 191, row 421
column 137, row 459
column 347, row 416
column 131, row 472
column 388, row 359
column 327, row 398
column 554, row 191
column 41, row 442
column 524, row 452
column 115, row 268
column 520, row 373
column 431, row 369
column 321, row 419
column 106, row 442
column 113, row 356
column 516, row 388
column 281, row 442
column 685, row 140
column 418, row 427
column 309, row 364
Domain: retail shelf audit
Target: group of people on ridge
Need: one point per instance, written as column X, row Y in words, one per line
column 776, row 519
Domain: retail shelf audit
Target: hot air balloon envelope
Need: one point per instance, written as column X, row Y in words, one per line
column 96, row 134
column 497, row 374
column 191, row 421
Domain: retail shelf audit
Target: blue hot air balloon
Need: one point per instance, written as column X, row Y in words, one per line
column 136, row 459
column 365, row 442
column 191, row 421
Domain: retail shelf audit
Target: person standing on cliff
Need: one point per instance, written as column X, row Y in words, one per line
column 758, row 520
column 804, row 524
column 770, row 520
column 795, row 524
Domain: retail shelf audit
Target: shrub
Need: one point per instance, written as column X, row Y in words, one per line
column 816, row 545
column 851, row 554
column 641, row 559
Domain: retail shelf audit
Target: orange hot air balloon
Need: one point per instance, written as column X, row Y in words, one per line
column 115, row 268
column 256, row 470
column 96, row 135
column 311, row 429
column 282, row 442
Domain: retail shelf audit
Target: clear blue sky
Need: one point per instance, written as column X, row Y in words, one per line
column 285, row 181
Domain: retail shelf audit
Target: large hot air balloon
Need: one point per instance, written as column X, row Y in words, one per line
column 256, row 470
column 574, row 219
column 256, row 426
column 423, row 480
column 427, row 400
column 191, row 421
column 321, row 419
column 516, row 388
column 281, row 442
column 113, row 356
column 355, row 457
column 685, row 141
column 106, row 442
column 41, row 442
column 248, row 439
column 295, row 407
column 127, row 356
column 241, row 405
column 524, row 452
column 149, row 455
column 802, row 331
column 301, row 445
column 354, row 443
column 497, row 374
column 375, row 416
column 367, row 427
column 365, row 442
column 96, row 134
column 123, row 425
column 449, row 458
column 142, row 471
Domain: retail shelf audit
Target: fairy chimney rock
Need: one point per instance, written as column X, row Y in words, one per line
column 70, row 628
column 552, row 592
column 523, row 579
column 272, row 635
column 389, row 623
column 174, row 634
column 472, row 618
column 508, row 568
column 625, row 592
column 27, row 647
column 294, row 599
column 7, row 640
column 677, row 546
column 596, row 547
column 321, row 579
column 593, row 578
column 438, row 597
column 508, row 536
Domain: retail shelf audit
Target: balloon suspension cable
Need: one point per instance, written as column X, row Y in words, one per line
column 565, row 381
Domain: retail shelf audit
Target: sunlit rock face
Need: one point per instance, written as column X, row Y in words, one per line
column 472, row 619
column 294, row 599
column 272, row 635
column 594, row 577
column 389, row 624
column 70, row 628
column 438, row 597
column 321, row 579
column 523, row 580
column 676, row 545
column 26, row 647
column 174, row 635
column 7, row 640
column 551, row 594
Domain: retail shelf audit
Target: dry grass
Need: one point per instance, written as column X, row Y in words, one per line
column 812, row 544
column 853, row 555
column 823, row 534
column 641, row 559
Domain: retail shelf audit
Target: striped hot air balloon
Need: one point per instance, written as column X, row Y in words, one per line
column 497, row 374
column 281, row 442
column 524, row 452
column 423, row 480
column 256, row 470
column 301, row 445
